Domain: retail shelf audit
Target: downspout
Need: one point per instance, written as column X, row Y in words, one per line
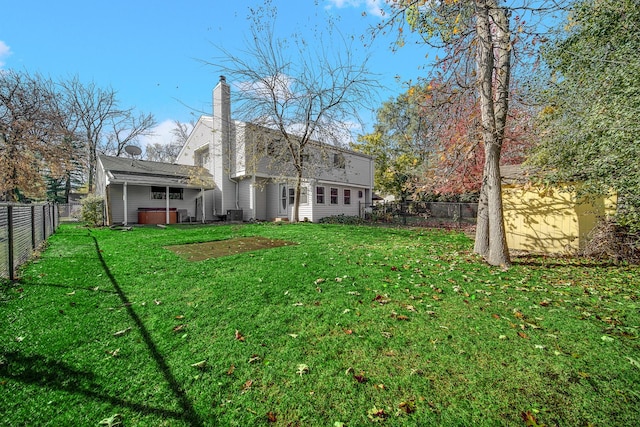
column 125, row 197
column 228, row 119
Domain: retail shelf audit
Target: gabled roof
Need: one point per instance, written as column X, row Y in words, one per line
column 143, row 172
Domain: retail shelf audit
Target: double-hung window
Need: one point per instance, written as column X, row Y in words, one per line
column 334, row 196
column 347, row 196
column 320, row 195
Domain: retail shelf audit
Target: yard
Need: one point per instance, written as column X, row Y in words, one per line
column 313, row 325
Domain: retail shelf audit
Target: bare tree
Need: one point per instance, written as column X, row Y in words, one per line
column 34, row 141
column 91, row 107
column 103, row 125
column 307, row 98
column 125, row 129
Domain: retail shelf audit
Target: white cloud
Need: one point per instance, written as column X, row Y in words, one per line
column 5, row 51
column 161, row 134
column 374, row 7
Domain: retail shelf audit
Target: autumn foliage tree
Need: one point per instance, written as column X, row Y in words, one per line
column 478, row 40
column 34, row 141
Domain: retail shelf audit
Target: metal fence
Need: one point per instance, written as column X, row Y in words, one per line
column 70, row 211
column 423, row 213
column 23, row 228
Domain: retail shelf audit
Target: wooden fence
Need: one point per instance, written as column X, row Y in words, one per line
column 23, row 229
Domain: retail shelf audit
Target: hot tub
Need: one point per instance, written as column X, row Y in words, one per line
column 157, row 216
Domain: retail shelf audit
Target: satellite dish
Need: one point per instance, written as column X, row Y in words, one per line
column 133, row 150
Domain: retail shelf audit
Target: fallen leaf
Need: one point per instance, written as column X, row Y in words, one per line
column 376, row 415
column 318, row 281
column 495, row 316
column 530, row 420
column 19, row 339
column 518, row 314
column 200, row 365
column 247, row 386
column 254, row 358
column 302, row 369
column 157, row 302
column 379, row 386
column 298, row 304
column 360, row 377
column 293, row 335
column 338, row 279
column 71, row 293
column 239, row 336
column 411, row 308
column 407, row 407
column 523, row 335
column 381, row 299
column 179, row 328
column 180, row 316
column 271, row 417
column 348, row 331
column 113, row 421
column 122, row 332
column 634, row 362
column 231, row 369
column 113, row 353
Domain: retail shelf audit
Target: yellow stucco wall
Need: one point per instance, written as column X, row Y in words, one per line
column 550, row 220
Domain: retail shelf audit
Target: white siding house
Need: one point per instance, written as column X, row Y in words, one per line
column 249, row 178
column 139, row 191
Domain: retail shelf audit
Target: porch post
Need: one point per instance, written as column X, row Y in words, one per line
column 125, row 197
column 203, row 209
column 166, row 214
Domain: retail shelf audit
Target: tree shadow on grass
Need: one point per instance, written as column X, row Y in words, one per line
column 41, row 371
column 189, row 414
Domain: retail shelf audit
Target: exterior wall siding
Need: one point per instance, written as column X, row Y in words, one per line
column 550, row 220
column 140, row 197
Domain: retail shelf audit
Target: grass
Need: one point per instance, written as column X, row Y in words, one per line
column 352, row 325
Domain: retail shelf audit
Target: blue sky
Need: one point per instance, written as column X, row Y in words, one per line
column 151, row 52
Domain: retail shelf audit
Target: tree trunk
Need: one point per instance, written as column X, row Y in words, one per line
column 481, row 246
column 493, row 68
column 296, row 202
column 498, row 251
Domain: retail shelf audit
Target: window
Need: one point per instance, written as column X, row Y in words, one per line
column 303, row 195
column 334, row 196
column 160, row 193
column 320, row 195
column 202, row 158
column 359, row 194
column 338, row 160
column 347, row 196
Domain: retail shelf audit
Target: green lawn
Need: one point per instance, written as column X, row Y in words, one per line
column 352, row 325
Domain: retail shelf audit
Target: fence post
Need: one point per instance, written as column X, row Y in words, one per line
column 44, row 222
column 33, row 227
column 10, row 241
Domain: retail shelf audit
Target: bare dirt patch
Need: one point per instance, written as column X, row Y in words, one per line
column 221, row 248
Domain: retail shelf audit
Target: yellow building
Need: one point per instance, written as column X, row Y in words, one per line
column 547, row 219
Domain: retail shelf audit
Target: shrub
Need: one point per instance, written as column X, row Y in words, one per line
column 93, row 210
column 342, row 219
column 613, row 242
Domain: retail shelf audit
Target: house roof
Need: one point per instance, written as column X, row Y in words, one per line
column 516, row 174
column 143, row 172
